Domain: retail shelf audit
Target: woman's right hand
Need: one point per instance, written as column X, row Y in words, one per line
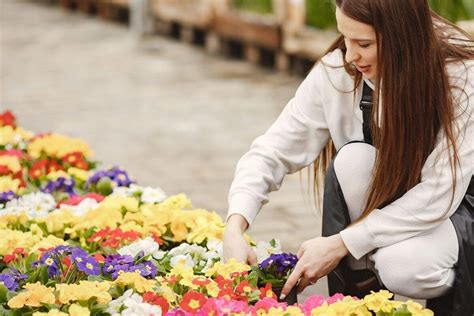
column 235, row 245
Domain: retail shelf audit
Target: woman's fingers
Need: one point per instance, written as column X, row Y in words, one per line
column 292, row 280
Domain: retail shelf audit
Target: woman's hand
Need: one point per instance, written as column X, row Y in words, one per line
column 235, row 245
column 317, row 257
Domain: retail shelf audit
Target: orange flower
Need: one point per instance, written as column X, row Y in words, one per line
column 267, row 292
column 193, row 301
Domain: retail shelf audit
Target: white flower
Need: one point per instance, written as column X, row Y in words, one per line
column 152, row 195
column 216, row 246
column 265, row 249
column 148, row 245
column 132, row 304
column 82, row 208
column 186, row 260
column 127, row 191
column 35, row 205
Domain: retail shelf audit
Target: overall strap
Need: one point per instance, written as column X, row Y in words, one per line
column 366, row 107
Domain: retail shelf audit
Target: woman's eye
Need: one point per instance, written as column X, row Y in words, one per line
column 364, row 45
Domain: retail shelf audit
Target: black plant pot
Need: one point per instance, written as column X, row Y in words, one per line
column 290, row 299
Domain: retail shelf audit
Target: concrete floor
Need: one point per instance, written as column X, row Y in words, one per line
column 168, row 112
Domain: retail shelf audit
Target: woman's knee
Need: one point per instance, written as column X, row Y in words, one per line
column 353, row 167
column 405, row 269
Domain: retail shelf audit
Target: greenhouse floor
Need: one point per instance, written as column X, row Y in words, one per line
column 171, row 114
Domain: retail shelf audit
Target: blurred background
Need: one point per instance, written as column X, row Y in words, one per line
column 174, row 91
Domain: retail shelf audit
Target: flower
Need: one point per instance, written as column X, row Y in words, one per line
column 7, row 119
column 147, row 246
column 192, row 301
column 267, row 292
column 152, row 195
column 154, row 299
column 380, row 301
column 35, row 295
column 7, row 196
column 265, row 249
column 139, row 283
column 132, row 304
column 57, row 146
column 10, row 280
column 84, row 291
column 280, row 262
column 35, row 205
column 8, row 184
column 226, row 269
column 115, row 264
column 85, row 263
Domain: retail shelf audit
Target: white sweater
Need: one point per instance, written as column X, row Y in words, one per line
column 318, row 111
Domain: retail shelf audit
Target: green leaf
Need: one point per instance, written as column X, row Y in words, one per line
column 3, row 294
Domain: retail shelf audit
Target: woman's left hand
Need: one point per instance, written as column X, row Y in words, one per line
column 317, row 257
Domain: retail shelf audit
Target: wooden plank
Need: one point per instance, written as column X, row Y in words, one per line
column 300, row 40
column 190, row 13
column 248, row 28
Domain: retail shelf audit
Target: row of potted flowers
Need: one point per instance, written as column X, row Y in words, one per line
column 82, row 240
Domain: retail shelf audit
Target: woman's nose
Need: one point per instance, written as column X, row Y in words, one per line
column 351, row 54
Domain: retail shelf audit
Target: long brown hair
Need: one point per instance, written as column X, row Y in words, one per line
column 414, row 46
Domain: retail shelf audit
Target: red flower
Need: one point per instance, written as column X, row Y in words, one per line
column 223, row 283
column 76, row 199
column 12, row 152
column 4, row 170
column 193, row 301
column 16, row 254
column 75, row 159
column 7, row 119
column 267, row 292
column 154, row 299
column 201, row 281
column 38, row 169
column 53, row 166
column 113, row 238
column 100, row 258
column 244, row 287
column 157, row 239
column 172, row 279
column 226, row 293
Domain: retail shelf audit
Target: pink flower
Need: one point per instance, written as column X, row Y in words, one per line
column 222, row 306
column 336, row 297
column 312, row 302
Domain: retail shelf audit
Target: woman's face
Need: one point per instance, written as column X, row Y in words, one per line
column 361, row 44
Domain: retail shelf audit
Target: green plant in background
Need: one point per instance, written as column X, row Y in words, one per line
column 258, row 6
column 454, row 10
column 320, row 13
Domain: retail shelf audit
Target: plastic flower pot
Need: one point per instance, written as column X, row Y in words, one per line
column 290, row 299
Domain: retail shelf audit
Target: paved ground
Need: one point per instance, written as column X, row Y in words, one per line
column 168, row 112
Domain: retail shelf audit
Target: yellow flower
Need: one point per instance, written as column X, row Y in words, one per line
column 167, row 293
column 53, row 312
column 212, row 289
column 7, row 183
column 119, row 202
column 78, row 310
column 379, row 301
column 184, row 274
column 58, row 174
column 226, row 269
column 57, row 221
column 293, row 311
column 136, row 281
column 57, row 146
column 417, row 309
column 12, row 162
column 84, row 291
column 35, row 295
column 347, row 306
column 78, row 174
column 9, row 135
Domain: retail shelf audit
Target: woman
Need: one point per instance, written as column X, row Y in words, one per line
column 402, row 169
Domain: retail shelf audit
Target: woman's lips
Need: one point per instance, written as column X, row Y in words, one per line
column 363, row 69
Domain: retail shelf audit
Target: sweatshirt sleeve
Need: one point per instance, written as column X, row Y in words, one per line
column 427, row 204
column 291, row 143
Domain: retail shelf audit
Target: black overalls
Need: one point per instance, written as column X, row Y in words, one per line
column 460, row 301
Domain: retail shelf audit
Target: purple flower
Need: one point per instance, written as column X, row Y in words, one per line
column 146, row 269
column 59, row 185
column 84, row 262
column 279, row 263
column 115, row 174
column 11, row 278
column 7, row 196
column 113, row 264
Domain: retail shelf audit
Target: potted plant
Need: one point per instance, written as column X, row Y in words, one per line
column 275, row 270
